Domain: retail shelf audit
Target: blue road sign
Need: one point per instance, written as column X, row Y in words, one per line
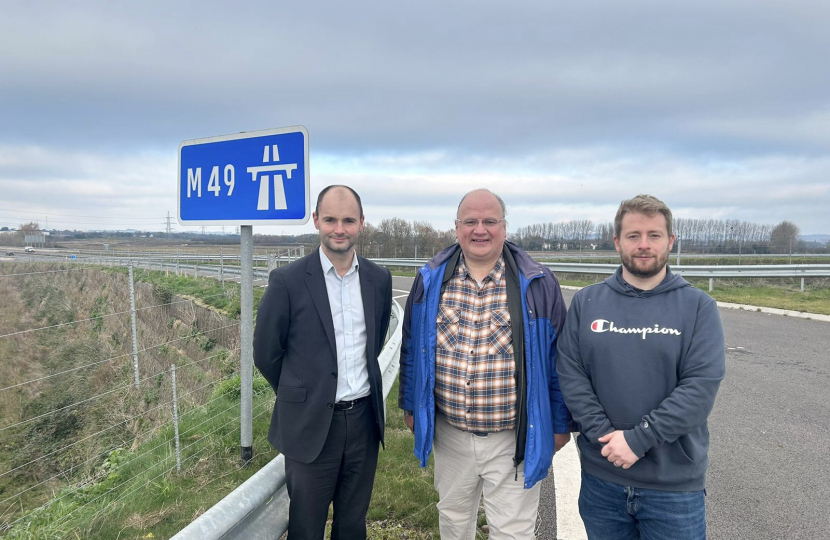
column 253, row 178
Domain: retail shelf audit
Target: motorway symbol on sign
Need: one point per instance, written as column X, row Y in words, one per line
column 254, row 178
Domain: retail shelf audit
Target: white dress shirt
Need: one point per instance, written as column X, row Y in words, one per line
column 347, row 315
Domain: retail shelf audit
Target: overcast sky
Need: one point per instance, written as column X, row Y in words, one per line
column 720, row 108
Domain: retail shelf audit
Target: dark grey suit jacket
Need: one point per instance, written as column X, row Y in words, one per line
column 295, row 350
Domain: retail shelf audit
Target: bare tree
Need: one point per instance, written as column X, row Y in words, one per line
column 584, row 230
column 784, row 236
column 30, row 227
column 605, row 235
column 425, row 238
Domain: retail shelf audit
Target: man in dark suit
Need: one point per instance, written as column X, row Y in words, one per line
column 320, row 328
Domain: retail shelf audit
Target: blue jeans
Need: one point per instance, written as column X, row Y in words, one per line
column 616, row 512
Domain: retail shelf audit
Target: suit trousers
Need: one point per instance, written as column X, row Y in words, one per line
column 467, row 466
column 343, row 474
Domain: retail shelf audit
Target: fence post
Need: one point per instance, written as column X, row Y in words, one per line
column 132, row 320
column 802, row 284
column 711, row 281
column 222, row 269
column 176, row 419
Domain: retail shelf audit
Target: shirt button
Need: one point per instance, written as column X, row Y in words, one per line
column 334, row 375
column 329, row 405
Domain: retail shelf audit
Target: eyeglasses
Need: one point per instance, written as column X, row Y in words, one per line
column 471, row 223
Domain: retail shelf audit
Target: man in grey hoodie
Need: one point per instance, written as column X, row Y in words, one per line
column 641, row 358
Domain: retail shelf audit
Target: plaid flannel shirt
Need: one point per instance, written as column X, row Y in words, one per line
column 475, row 384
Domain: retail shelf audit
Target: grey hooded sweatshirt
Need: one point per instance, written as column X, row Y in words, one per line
column 648, row 363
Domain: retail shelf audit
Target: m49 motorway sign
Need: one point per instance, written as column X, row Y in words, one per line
column 251, row 178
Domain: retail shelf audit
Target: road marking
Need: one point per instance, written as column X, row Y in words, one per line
column 776, row 311
column 404, row 295
column 567, row 477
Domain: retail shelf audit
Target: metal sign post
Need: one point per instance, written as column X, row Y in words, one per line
column 246, row 365
column 247, row 179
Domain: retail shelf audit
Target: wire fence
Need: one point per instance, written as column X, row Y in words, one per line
column 86, row 412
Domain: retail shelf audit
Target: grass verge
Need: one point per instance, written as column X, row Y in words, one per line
column 786, row 294
column 138, row 493
column 206, row 290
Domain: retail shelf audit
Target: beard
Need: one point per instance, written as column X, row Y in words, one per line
column 342, row 248
column 645, row 271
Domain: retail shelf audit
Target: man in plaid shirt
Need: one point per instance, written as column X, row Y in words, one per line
column 478, row 382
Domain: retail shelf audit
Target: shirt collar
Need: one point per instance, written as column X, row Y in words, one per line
column 495, row 274
column 328, row 265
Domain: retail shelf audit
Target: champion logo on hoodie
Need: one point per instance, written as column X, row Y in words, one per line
column 602, row 325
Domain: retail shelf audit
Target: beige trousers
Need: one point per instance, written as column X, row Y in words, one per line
column 467, row 466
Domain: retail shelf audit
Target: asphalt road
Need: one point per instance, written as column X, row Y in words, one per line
column 769, row 472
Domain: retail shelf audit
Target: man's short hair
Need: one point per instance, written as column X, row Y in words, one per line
column 642, row 204
column 326, row 190
column 501, row 202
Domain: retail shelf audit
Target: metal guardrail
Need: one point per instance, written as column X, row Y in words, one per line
column 258, row 509
column 801, row 271
column 719, row 271
column 732, row 271
column 744, row 271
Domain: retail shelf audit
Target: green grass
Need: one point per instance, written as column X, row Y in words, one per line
column 785, row 294
column 690, row 260
column 208, row 291
column 138, row 493
column 135, row 493
column 403, row 496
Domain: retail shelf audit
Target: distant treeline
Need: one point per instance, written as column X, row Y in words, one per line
column 699, row 235
column 398, row 237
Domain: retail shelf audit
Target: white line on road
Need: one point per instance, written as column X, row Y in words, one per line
column 567, row 478
column 404, row 295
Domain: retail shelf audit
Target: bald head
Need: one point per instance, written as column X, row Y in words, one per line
column 481, row 229
column 482, row 192
column 341, row 191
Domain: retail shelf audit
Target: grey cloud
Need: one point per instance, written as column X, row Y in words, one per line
column 471, row 77
column 414, row 103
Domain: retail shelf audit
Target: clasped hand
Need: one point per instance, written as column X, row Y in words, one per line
column 617, row 451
